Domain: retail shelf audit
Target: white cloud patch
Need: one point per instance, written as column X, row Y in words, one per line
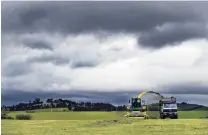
column 89, row 63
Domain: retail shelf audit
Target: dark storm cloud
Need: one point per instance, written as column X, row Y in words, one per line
column 14, row 96
column 37, row 43
column 117, row 98
column 179, row 21
column 186, row 89
column 188, row 93
column 133, row 17
column 173, row 34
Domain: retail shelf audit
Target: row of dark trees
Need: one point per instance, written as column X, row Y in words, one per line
column 60, row 103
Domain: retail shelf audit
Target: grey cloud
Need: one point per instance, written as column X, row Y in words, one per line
column 83, row 64
column 81, row 17
column 60, row 60
column 13, row 69
column 49, row 58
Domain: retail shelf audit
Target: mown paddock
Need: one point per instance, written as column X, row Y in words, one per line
column 95, row 123
column 106, row 127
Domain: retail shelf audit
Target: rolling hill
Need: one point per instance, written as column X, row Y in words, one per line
column 183, row 107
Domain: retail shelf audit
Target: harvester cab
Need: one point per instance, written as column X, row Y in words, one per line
column 136, row 104
column 168, row 108
column 136, row 108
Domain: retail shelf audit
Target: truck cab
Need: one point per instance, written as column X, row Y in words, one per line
column 168, row 108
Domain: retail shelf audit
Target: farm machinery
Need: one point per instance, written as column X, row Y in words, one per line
column 164, row 107
column 136, row 109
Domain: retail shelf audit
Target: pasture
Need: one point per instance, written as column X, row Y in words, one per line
column 104, row 123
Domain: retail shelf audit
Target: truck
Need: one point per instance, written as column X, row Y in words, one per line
column 168, row 108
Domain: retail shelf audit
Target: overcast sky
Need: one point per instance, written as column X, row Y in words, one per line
column 104, row 51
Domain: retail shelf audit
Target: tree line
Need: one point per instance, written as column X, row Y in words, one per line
column 61, row 103
column 75, row 106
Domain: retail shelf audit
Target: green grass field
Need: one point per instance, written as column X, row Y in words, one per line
column 46, row 115
column 70, row 115
column 104, row 123
column 185, row 114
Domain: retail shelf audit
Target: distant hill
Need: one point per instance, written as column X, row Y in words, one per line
column 190, row 107
column 183, row 107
